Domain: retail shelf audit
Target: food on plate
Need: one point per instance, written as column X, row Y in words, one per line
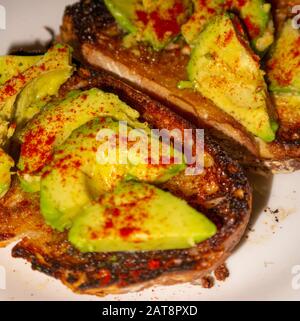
column 208, row 62
column 6, row 163
column 223, row 69
column 283, row 73
column 103, row 226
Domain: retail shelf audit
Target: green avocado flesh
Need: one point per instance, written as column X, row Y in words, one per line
column 255, row 15
column 139, row 217
column 11, row 66
column 224, row 70
column 56, row 122
column 79, row 177
column 123, row 12
column 155, row 22
column 283, row 68
column 28, row 83
column 6, row 163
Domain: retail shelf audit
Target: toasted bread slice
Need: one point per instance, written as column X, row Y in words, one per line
column 221, row 192
column 93, row 32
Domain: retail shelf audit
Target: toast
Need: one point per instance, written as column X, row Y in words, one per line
column 228, row 205
column 92, row 31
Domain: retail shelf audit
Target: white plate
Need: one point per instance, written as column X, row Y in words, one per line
column 261, row 268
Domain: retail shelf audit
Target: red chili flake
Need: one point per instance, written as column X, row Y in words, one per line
column 37, row 146
column 105, row 276
column 142, row 16
column 154, row 264
column 62, row 50
column 109, row 224
column 272, row 64
column 241, row 3
column 46, row 173
column 136, row 273
column 116, row 212
column 211, row 11
column 177, row 9
column 254, row 30
column 10, row 90
column 127, row 231
column 77, row 164
column 43, row 67
column 25, row 203
column 22, row 78
column 123, row 282
column 163, row 26
column 228, row 37
column 229, row 4
column 284, row 78
column 94, row 236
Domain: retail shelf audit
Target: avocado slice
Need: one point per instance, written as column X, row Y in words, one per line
column 257, row 17
column 56, row 59
column 139, row 217
column 123, row 12
column 255, row 14
column 155, row 22
column 11, row 66
column 75, row 176
column 56, row 122
column 225, row 70
column 203, row 12
column 6, row 163
column 283, row 67
column 38, row 93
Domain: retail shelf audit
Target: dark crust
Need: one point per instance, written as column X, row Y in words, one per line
column 51, row 253
column 87, row 20
column 90, row 25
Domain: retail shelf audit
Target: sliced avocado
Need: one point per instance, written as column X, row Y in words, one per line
column 57, row 58
column 139, row 217
column 123, row 12
column 203, row 12
column 75, row 168
column 11, row 66
column 29, row 183
column 283, row 68
column 155, row 22
column 56, row 122
column 255, row 14
column 38, row 93
column 223, row 69
column 58, row 210
column 6, row 163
